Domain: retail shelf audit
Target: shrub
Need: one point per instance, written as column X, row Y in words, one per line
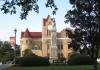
column 34, row 61
column 18, row 60
column 74, row 54
column 28, row 52
column 62, row 59
column 80, row 60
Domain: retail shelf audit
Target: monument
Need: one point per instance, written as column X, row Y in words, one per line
column 53, row 48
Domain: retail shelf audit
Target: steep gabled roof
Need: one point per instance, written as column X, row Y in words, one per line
column 45, row 20
column 26, row 34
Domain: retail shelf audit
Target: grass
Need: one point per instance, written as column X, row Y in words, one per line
column 84, row 67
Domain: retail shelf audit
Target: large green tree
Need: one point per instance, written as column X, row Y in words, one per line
column 85, row 17
column 7, row 52
column 25, row 6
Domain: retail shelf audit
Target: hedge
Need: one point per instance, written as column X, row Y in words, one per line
column 80, row 60
column 33, row 61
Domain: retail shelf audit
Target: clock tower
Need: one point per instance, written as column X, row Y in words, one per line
column 49, row 39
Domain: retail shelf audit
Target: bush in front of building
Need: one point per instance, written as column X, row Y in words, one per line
column 30, row 59
column 18, row 60
column 28, row 52
column 62, row 59
column 60, row 62
column 80, row 60
column 33, row 61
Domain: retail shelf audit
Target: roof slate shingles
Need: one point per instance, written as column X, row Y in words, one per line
column 28, row 34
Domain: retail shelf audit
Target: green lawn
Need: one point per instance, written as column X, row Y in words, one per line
column 85, row 67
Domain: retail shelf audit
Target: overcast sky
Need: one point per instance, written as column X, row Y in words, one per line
column 34, row 20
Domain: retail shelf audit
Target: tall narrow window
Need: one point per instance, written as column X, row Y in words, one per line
column 61, row 54
column 61, row 46
column 48, row 45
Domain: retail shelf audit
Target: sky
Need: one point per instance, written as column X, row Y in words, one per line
column 34, row 20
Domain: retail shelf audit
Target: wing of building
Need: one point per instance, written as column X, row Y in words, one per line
column 40, row 42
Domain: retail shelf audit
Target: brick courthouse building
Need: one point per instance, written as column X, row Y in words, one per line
column 40, row 42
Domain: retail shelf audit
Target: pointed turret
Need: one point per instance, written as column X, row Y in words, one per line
column 26, row 34
column 26, row 40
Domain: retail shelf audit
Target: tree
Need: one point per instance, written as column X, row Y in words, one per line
column 85, row 17
column 6, row 51
column 17, row 50
column 28, row 52
column 26, row 6
column 99, row 54
column 74, row 43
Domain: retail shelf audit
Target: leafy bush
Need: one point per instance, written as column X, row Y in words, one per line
column 30, row 59
column 18, row 60
column 74, row 54
column 28, row 52
column 62, row 59
column 34, row 61
column 80, row 60
column 4, row 59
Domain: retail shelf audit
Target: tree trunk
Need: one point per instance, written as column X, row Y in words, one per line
column 95, row 64
column 95, row 57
